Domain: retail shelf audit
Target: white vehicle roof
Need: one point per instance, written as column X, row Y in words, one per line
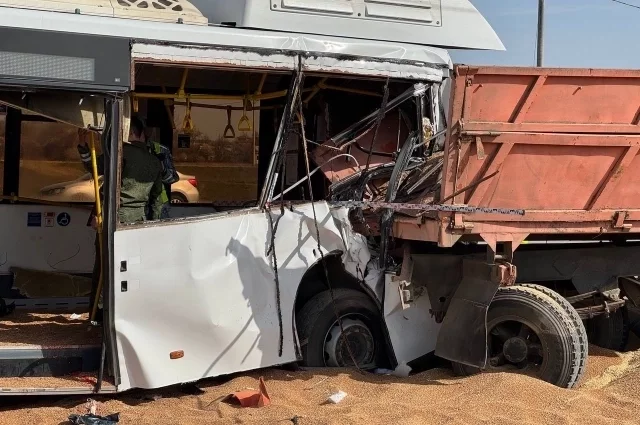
column 216, row 35
column 305, row 25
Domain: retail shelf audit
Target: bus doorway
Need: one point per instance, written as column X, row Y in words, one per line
column 47, row 250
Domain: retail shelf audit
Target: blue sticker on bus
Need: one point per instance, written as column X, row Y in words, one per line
column 34, row 219
column 63, row 219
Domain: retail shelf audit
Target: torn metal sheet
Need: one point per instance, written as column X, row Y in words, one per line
column 357, row 255
column 412, row 329
column 198, row 55
column 424, row 71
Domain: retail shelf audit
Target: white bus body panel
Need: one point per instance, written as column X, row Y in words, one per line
column 32, row 238
column 207, row 288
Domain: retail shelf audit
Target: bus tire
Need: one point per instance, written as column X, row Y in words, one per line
column 321, row 338
column 528, row 329
column 610, row 332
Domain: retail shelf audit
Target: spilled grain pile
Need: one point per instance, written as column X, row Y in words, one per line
column 609, row 394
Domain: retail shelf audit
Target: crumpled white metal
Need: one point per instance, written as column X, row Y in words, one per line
column 206, row 287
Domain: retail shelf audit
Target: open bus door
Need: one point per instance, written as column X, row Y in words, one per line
column 29, row 244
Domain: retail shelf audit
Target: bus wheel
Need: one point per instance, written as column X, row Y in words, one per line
column 610, row 332
column 325, row 343
column 534, row 330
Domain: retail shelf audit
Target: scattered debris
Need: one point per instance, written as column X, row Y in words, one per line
column 403, row 370
column 92, row 406
column 250, row 397
column 337, row 397
column 94, row 419
column 75, row 316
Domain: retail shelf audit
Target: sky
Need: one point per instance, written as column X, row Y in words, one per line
column 578, row 33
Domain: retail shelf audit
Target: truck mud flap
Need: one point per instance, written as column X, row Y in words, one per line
column 463, row 335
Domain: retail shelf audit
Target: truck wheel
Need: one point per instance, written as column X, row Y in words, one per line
column 571, row 311
column 532, row 332
column 322, row 341
column 610, row 332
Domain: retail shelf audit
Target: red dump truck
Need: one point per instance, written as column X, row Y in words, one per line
column 534, row 205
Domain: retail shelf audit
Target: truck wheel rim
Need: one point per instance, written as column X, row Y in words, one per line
column 360, row 339
column 514, row 342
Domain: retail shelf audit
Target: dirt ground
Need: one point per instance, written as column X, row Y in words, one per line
column 609, row 393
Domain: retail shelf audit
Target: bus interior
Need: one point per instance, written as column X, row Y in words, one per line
column 221, row 125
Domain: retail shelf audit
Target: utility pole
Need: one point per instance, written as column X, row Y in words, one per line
column 540, row 53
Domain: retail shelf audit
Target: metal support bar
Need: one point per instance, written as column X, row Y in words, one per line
column 183, row 82
column 96, row 189
column 271, row 177
column 530, row 96
column 607, row 186
column 475, row 197
column 261, row 85
column 347, row 134
column 197, row 96
column 420, row 118
column 13, row 134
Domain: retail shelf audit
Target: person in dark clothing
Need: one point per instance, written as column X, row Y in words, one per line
column 169, row 173
column 140, row 187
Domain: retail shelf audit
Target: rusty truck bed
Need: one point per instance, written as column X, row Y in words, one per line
column 562, row 144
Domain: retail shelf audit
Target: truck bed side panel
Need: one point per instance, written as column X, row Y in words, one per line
column 562, row 144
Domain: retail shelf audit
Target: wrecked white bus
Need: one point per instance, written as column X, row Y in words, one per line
column 371, row 237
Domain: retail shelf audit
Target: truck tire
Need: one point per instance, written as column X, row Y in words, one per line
column 575, row 317
column 610, row 332
column 530, row 330
column 321, row 338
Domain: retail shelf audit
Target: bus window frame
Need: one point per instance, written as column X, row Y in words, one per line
column 295, row 86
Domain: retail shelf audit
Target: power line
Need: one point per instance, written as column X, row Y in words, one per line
column 626, row 4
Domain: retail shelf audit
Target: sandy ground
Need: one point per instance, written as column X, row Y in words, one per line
column 608, row 394
column 47, row 330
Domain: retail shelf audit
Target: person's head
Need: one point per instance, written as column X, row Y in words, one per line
column 136, row 132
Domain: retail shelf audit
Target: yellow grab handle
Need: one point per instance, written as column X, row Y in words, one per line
column 244, row 124
column 96, row 188
column 187, row 122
